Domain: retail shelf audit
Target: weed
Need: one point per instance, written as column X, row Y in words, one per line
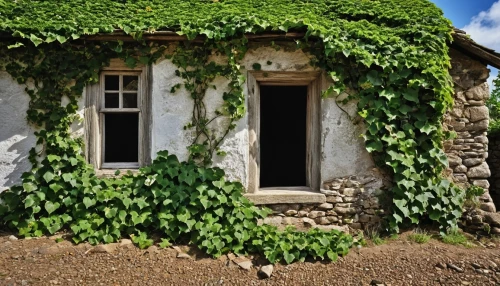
column 419, row 236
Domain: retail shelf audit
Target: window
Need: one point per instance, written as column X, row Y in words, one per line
column 117, row 118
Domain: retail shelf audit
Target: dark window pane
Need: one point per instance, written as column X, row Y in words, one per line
column 130, row 100
column 121, row 137
column 130, row 82
column 111, row 100
column 111, row 82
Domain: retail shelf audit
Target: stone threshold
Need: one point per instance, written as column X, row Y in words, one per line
column 286, row 195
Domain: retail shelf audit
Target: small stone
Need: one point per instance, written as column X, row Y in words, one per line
column 152, row 249
column 315, row 214
column 472, row 162
column 308, row 222
column 488, row 207
column 322, row 221
column 265, row 271
column 106, row 248
column 330, row 192
column 476, row 266
column 126, row 242
column 454, row 267
column 291, row 213
column 342, row 210
column 441, row 265
column 302, row 213
column 243, row 262
column 13, row 238
column 325, row 206
column 350, row 192
column 183, row 255
column 333, row 199
column 481, row 171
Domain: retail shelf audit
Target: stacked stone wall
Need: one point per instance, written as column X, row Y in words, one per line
column 469, row 118
column 351, row 202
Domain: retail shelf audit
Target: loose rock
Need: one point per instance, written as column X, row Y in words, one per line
column 265, row 271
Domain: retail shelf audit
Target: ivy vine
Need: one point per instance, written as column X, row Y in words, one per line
column 393, row 53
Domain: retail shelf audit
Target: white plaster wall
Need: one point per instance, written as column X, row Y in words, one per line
column 16, row 136
column 343, row 151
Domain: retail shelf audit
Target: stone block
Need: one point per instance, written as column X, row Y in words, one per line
column 333, row 199
column 481, row 171
column 308, row 222
column 350, row 192
column 454, row 160
column 478, row 126
column 481, row 139
column 291, row 213
column 346, row 210
column 472, row 162
column 478, row 113
column 325, row 206
column 274, row 220
column 481, row 183
column 322, row 221
column 460, row 169
column 332, row 219
column 315, row 214
column 479, row 92
column 488, row 207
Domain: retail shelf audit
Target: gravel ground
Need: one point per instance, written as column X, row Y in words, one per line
column 398, row 262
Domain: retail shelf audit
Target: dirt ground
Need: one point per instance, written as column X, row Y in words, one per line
column 43, row 261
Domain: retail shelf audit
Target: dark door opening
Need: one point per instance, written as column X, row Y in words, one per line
column 283, row 111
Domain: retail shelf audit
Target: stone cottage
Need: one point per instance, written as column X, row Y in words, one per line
column 331, row 180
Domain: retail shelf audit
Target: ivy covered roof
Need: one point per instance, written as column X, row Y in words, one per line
column 377, row 20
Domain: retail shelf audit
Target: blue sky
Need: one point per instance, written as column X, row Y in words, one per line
column 479, row 18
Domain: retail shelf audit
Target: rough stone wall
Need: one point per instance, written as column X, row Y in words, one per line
column 351, row 202
column 469, row 118
column 494, row 163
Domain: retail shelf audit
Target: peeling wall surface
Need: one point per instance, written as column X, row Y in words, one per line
column 16, row 136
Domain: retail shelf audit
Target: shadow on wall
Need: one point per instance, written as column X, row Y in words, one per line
column 16, row 136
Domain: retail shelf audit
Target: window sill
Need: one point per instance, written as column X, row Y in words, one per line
column 286, row 195
column 110, row 173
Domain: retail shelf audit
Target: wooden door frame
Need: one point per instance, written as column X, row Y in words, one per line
column 313, row 122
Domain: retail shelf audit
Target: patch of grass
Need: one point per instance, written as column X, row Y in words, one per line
column 394, row 236
column 373, row 233
column 378, row 241
column 419, row 236
column 455, row 239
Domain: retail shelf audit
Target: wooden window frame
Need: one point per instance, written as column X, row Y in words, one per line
column 313, row 81
column 94, row 117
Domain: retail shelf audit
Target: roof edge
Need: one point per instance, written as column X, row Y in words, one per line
column 462, row 41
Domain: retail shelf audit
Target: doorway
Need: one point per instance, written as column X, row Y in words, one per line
column 283, row 135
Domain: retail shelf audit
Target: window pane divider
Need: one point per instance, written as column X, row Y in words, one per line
column 120, row 110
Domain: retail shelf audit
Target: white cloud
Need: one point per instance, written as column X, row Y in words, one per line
column 484, row 28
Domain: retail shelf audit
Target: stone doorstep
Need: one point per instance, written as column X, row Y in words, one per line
column 284, row 195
